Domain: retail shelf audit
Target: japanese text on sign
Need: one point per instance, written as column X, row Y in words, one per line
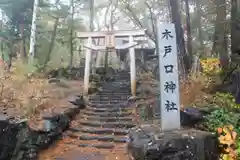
column 169, row 83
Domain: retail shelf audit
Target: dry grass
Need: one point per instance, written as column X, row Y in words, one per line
column 21, row 96
column 193, row 92
column 197, row 90
column 26, row 96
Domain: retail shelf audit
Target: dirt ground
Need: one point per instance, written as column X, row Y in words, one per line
column 68, row 149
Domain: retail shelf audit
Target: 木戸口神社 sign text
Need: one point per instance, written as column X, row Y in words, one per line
column 169, row 80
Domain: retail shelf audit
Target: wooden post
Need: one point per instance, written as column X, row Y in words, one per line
column 132, row 67
column 87, row 66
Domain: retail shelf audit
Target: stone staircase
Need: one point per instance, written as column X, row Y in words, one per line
column 105, row 122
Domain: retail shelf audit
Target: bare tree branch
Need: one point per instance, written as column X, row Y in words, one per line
column 153, row 19
column 135, row 19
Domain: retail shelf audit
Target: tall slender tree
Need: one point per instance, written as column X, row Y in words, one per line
column 189, row 33
column 71, row 33
column 220, row 38
column 176, row 19
column 235, row 29
column 33, row 33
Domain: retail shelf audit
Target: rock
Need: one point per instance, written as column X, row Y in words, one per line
column 8, row 137
column 100, row 70
column 148, row 142
column 92, row 88
column 190, row 116
column 95, row 78
column 18, row 141
column 147, row 90
column 69, row 73
column 78, row 101
column 53, row 80
column 63, row 84
column 150, row 66
column 109, row 78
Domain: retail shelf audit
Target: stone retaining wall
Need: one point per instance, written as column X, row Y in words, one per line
column 148, row 142
column 19, row 142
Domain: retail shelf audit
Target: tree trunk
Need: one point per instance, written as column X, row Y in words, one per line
column 91, row 17
column 220, row 39
column 9, row 61
column 91, row 27
column 189, row 34
column 71, row 35
column 200, row 51
column 199, row 24
column 1, row 40
column 235, row 28
column 32, row 48
column 51, row 46
column 23, row 54
column 176, row 19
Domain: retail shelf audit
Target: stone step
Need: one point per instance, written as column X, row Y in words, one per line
column 107, row 109
column 93, row 130
column 106, row 114
column 119, row 84
column 113, row 94
column 124, row 81
column 115, row 91
column 93, row 144
column 111, row 97
column 107, row 119
column 103, row 138
column 121, row 77
column 107, row 124
column 118, row 87
column 98, row 146
column 106, row 102
column 76, row 154
column 114, row 98
column 102, row 93
column 119, row 105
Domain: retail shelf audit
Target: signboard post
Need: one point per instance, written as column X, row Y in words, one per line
column 169, row 80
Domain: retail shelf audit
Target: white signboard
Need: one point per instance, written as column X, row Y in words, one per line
column 169, row 81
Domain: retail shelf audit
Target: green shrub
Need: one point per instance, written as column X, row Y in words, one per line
column 219, row 118
column 223, row 117
column 225, row 100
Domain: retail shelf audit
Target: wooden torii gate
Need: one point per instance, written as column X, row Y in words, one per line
column 110, row 43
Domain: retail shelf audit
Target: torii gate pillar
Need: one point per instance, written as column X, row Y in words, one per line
column 132, row 67
column 87, row 66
